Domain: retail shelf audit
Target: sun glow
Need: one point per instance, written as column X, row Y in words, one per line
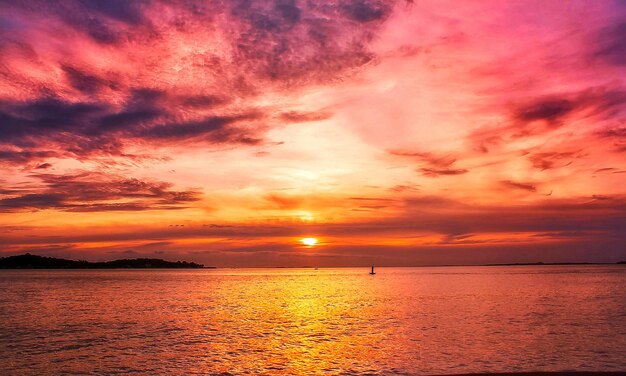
column 310, row 242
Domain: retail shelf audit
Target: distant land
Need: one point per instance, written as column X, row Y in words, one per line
column 29, row 261
column 556, row 263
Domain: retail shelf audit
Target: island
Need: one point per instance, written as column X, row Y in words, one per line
column 28, row 261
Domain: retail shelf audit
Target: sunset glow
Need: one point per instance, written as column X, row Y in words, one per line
column 408, row 132
column 309, row 241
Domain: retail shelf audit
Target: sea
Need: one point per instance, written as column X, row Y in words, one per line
column 343, row 321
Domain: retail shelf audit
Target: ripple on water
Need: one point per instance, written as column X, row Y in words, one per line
column 336, row 321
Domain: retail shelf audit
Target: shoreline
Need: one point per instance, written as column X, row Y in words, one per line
column 323, row 268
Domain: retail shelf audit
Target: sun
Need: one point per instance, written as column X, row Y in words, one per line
column 309, row 242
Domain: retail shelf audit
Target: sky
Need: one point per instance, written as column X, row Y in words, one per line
column 398, row 133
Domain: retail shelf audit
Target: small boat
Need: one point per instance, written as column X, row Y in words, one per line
column 372, row 272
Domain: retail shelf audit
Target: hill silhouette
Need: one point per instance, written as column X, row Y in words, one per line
column 29, row 261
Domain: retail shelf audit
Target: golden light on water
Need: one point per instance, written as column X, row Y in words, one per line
column 310, row 242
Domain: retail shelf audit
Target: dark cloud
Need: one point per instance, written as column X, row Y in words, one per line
column 616, row 135
column 423, row 202
column 542, row 115
column 438, row 161
column 435, row 165
column 121, row 10
column 98, row 19
column 601, row 102
column 370, row 199
column 405, row 188
column 282, row 16
column 366, row 10
column 32, row 201
column 98, row 30
column 545, row 109
column 21, row 123
column 564, row 235
column 290, row 43
column 604, row 103
column 125, row 119
column 530, row 187
column 203, row 101
column 550, row 160
column 20, row 156
column 606, row 169
column 611, row 44
column 301, row 117
column 89, row 192
column 85, row 82
column 434, row 172
column 82, row 129
column 373, row 207
column 211, row 129
column 143, row 108
column 306, row 41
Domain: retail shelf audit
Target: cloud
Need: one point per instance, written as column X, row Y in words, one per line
column 284, row 201
column 211, row 129
column 431, row 159
column 611, row 44
column 436, row 165
column 38, row 127
column 301, row 117
column 373, row 199
column 545, row 109
column 542, row 115
column 20, row 156
column 296, row 42
column 203, row 101
column 43, row 166
column 598, row 101
column 550, row 160
column 366, row 11
column 92, row 192
column 433, row 172
column 189, row 92
column 103, row 108
column 424, row 215
column 32, row 201
column 22, row 122
column 530, row 187
column 85, row 82
column 405, row 188
column 128, row 12
column 84, row 129
column 617, row 135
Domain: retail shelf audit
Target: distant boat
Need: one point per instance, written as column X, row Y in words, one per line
column 372, row 272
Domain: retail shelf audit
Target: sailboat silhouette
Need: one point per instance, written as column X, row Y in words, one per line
column 372, row 272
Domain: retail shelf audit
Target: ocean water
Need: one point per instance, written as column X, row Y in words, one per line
column 443, row 320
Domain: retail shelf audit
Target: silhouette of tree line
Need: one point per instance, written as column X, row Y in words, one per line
column 28, row 261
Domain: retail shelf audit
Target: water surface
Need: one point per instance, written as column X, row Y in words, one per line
column 304, row 321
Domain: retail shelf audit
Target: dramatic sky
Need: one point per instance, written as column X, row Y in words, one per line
column 401, row 133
